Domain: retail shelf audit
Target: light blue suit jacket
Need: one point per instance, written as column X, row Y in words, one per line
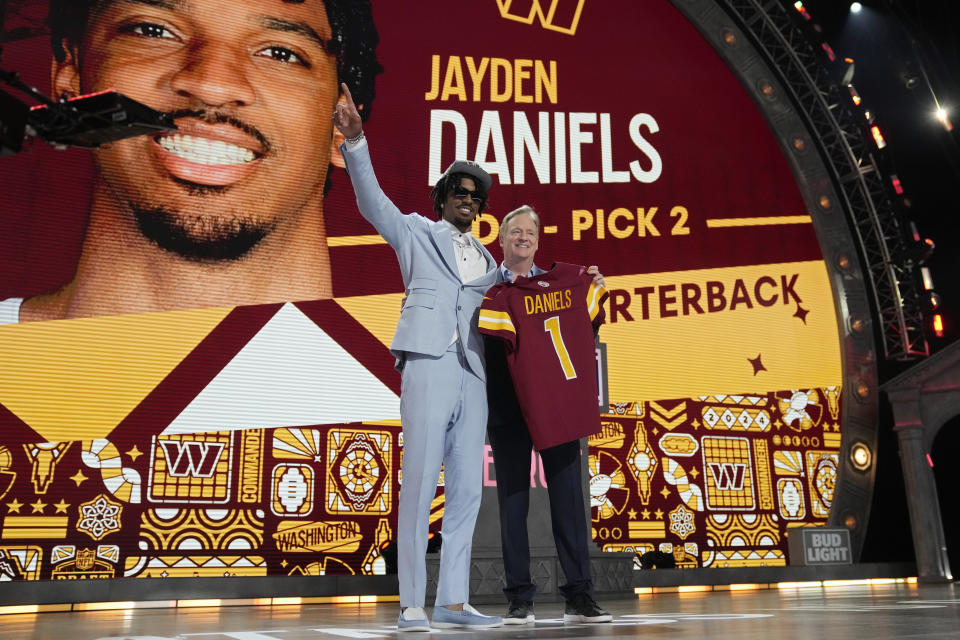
column 437, row 300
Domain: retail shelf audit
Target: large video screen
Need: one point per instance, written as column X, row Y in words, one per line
column 194, row 369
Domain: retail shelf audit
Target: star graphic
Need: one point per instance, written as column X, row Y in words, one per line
column 38, row 506
column 695, row 424
column 659, row 514
column 134, row 453
column 656, row 431
column 646, row 514
column 694, row 473
column 632, row 514
column 61, row 506
column 284, row 564
column 14, row 507
column 318, row 457
column 801, row 313
column 79, row 478
column 757, row 364
column 665, row 492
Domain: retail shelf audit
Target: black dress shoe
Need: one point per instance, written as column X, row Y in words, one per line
column 582, row 608
column 519, row 612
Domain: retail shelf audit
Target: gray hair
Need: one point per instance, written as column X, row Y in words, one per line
column 523, row 210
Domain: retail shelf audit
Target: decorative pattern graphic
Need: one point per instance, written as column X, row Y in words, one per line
column 315, row 500
column 790, row 498
column 44, row 457
column 736, row 418
column 681, row 522
column 729, row 473
column 608, row 491
column 822, row 478
column 85, row 564
column 674, row 474
column 801, row 410
column 742, row 530
column 191, row 468
column 100, row 517
column 293, row 489
column 730, row 559
column 20, row 562
column 122, row 482
column 642, row 463
column 764, row 478
column 7, row 476
column 205, row 530
column 342, row 536
column 359, row 462
column 180, row 566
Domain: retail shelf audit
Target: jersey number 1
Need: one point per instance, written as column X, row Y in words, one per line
column 552, row 326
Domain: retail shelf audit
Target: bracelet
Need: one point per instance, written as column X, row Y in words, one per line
column 357, row 139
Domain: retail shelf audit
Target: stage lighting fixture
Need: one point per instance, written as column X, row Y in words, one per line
column 854, row 95
column 897, row 186
column 860, row 456
column 927, row 278
column 938, row 328
column 847, row 76
column 802, row 9
column 878, row 137
column 944, row 117
column 856, row 7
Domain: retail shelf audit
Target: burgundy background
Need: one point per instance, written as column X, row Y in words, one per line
column 719, row 157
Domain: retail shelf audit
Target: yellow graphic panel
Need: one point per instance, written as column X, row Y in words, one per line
column 708, row 353
column 378, row 314
column 73, row 361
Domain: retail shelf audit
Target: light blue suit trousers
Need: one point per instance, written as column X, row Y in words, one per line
column 443, row 406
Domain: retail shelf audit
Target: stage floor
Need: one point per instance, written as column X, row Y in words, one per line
column 873, row 612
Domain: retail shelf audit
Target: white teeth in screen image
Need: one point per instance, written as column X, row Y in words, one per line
column 203, row 151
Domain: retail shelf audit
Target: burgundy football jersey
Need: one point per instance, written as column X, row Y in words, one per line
column 547, row 323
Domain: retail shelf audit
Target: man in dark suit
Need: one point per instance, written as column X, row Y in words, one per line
column 512, row 447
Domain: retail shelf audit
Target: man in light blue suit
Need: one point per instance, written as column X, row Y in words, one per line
column 440, row 354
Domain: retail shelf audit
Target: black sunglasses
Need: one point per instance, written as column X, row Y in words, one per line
column 476, row 196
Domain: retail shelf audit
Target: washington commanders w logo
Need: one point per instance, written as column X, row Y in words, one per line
column 193, row 459
column 728, row 476
column 560, row 15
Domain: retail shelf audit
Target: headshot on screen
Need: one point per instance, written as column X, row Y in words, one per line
column 228, row 209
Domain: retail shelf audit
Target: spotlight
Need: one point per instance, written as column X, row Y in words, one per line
column 856, row 7
column 944, row 117
column 878, row 137
column 937, row 329
column 860, row 456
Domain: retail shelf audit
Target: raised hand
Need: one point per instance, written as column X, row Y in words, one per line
column 346, row 118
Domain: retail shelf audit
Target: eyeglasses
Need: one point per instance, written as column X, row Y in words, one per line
column 476, row 196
